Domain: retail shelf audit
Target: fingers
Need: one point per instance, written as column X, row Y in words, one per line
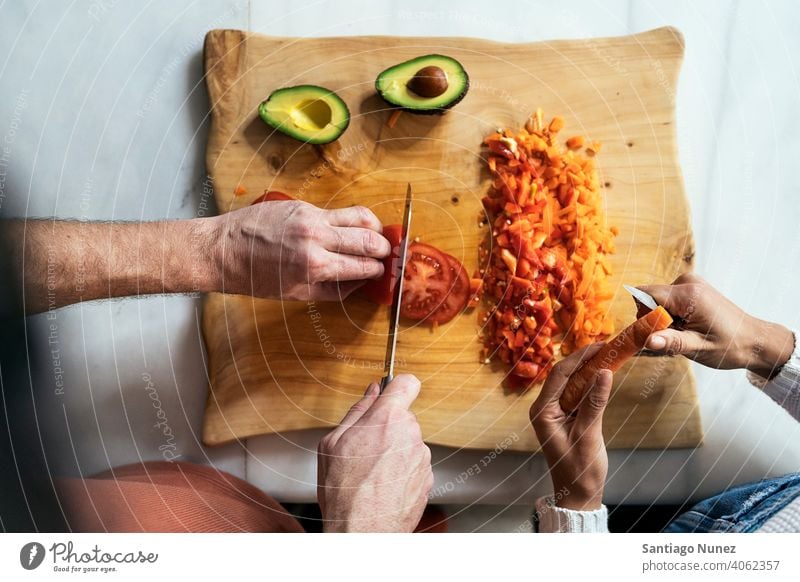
column 681, row 299
column 590, row 412
column 673, row 342
column 360, row 242
column 336, row 267
column 663, row 294
column 354, row 216
column 355, row 413
column 559, row 376
column 402, row 391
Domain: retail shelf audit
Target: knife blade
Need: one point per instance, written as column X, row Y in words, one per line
column 394, row 317
column 644, row 298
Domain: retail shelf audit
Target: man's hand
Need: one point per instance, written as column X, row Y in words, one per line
column 573, row 445
column 716, row 332
column 294, row 250
column 374, row 471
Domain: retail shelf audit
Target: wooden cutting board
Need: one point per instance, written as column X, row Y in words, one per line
column 281, row 366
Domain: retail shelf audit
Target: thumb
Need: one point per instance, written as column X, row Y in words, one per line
column 674, row 342
column 402, row 391
column 590, row 412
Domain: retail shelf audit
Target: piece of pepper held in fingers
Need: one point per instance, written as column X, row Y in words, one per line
column 613, row 355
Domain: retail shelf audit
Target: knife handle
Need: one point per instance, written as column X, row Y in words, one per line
column 385, row 382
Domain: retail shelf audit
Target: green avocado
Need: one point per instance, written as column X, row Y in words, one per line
column 426, row 84
column 307, row 113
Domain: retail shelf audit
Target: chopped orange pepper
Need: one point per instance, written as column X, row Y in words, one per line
column 546, row 271
column 393, row 118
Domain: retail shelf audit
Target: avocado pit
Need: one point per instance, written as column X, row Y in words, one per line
column 430, row 81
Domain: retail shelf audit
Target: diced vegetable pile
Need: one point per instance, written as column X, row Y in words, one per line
column 545, row 270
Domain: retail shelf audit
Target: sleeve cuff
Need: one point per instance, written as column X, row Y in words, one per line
column 553, row 519
column 785, row 387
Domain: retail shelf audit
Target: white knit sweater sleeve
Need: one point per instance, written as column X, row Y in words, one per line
column 785, row 387
column 553, row 519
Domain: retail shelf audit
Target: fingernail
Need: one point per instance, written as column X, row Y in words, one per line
column 372, row 389
column 656, row 342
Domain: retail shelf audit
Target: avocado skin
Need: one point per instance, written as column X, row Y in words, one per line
column 437, row 111
column 264, row 115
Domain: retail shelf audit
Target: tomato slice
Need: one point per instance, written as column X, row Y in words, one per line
column 458, row 297
column 381, row 291
column 435, row 287
column 271, row 196
column 427, row 280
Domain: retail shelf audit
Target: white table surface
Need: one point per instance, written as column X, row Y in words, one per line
column 103, row 117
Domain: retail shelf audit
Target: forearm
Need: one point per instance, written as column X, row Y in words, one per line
column 63, row 262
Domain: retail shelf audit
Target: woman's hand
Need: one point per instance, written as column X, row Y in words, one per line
column 294, row 250
column 374, row 470
column 715, row 332
column 573, row 445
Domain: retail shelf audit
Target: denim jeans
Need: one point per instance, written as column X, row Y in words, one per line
column 741, row 509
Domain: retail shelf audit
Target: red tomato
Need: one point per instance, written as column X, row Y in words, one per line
column 526, row 369
column 381, row 291
column 427, row 281
column 271, row 196
column 435, row 287
column 459, row 295
column 519, row 383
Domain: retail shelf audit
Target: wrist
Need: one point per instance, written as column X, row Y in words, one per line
column 205, row 261
column 769, row 349
column 576, row 504
column 337, row 523
column 575, row 500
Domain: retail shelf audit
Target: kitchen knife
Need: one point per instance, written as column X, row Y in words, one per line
column 647, row 300
column 394, row 314
column 644, row 298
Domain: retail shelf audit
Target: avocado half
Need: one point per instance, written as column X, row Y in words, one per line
column 307, row 113
column 395, row 84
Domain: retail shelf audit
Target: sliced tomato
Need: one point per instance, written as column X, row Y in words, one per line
column 427, row 281
column 381, row 291
column 436, row 286
column 271, row 196
column 459, row 295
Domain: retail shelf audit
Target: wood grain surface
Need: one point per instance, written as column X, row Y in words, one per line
column 277, row 366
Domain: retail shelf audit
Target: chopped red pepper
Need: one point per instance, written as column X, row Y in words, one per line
column 546, row 269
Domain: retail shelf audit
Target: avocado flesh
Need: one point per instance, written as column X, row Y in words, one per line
column 392, row 84
column 307, row 113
